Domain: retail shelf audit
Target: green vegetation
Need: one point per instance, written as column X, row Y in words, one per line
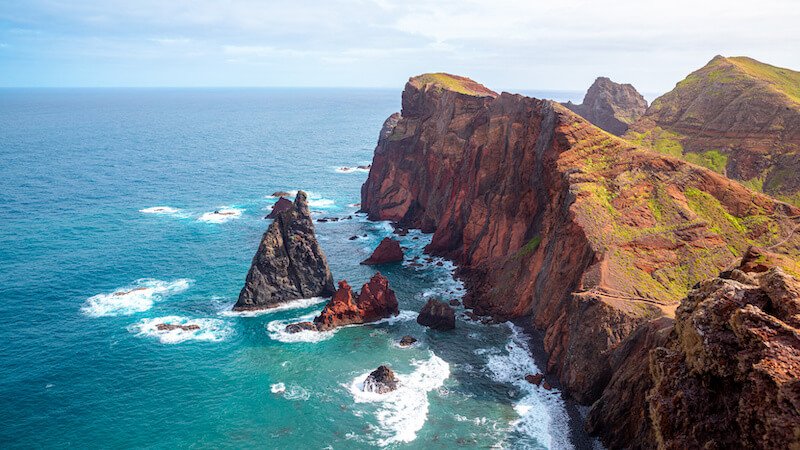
column 450, row 82
column 782, row 80
column 658, row 139
column 529, row 247
column 711, row 159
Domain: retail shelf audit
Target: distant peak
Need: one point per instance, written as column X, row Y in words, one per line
column 455, row 83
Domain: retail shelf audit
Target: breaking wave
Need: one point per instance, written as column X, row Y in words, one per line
column 132, row 299
column 211, row 330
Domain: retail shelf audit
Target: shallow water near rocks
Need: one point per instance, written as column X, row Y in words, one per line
column 128, row 208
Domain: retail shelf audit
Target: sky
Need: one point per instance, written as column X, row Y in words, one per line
column 505, row 44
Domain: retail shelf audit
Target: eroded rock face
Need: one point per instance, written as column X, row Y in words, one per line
column 438, row 315
column 549, row 217
column 280, row 206
column 611, row 106
column 380, row 381
column 289, row 263
column 375, row 301
column 388, row 251
column 729, row 377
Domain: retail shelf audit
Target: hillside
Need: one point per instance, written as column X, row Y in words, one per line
column 610, row 106
column 736, row 116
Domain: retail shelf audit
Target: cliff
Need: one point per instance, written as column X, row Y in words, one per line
column 610, row 106
column 737, row 116
column 289, row 263
column 553, row 220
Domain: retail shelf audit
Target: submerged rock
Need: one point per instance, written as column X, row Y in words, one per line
column 380, row 381
column 300, row 326
column 388, row 251
column 280, row 206
column 437, row 315
column 289, row 263
column 375, row 301
column 171, row 327
column 407, row 341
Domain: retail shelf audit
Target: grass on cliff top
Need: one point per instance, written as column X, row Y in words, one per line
column 658, row 139
column 783, row 80
column 453, row 83
column 711, row 159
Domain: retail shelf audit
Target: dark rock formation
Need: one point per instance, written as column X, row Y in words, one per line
column 611, row 106
column 406, row 341
column 280, row 206
column 375, row 301
column 737, row 116
column 455, row 302
column 281, row 194
column 171, row 327
column 289, row 263
column 549, row 218
column 388, row 251
column 437, row 315
column 380, row 381
column 300, row 326
column 534, row 379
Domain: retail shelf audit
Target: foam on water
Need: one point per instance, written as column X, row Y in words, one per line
column 211, row 330
column 277, row 388
column 168, row 210
column 541, row 412
column 351, row 170
column 135, row 298
column 404, row 411
column 221, row 215
column 295, row 392
column 277, row 328
column 322, row 203
column 294, row 304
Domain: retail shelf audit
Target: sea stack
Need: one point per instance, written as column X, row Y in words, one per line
column 375, row 301
column 289, row 263
column 388, row 251
column 611, row 106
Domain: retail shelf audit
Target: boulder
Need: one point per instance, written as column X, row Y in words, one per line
column 407, row 341
column 300, row 326
column 437, row 315
column 280, row 206
column 375, row 301
column 380, row 381
column 281, row 194
column 388, row 251
column 171, row 327
column 289, row 263
column 534, row 379
column 454, row 302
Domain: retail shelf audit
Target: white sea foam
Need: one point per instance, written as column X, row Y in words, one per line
column 277, row 388
column 294, row 304
column 294, row 392
column 541, row 412
column 160, row 210
column 322, row 203
column 277, row 328
column 351, row 170
column 221, row 215
column 403, row 412
column 132, row 299
column 211, row 330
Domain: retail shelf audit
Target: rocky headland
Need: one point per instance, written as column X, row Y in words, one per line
column 736, row 116
column 289, row 263
column 611, row 106
column 582, row 236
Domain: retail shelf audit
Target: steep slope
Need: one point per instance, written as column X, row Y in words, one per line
column 736, row 116
column 551, row 218
column 610, row 106
column 289, row 263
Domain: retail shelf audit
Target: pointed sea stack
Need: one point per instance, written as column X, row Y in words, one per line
column 375, row 301
column 388, row 251
column 289, row 263
column 611, row 106
column 280, row 206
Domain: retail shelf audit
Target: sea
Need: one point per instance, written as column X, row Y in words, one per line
column 124, row 208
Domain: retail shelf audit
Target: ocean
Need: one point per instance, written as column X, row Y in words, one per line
column 108, row 225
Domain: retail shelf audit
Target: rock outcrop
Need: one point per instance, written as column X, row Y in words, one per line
column 407, row 341
column 388, row 251
column 380, row 381
column 550, row 219
column 280, row 206
column 375, row 301
column 737, row 116
column 289, row 263
column 611, row 106
column 437, row 315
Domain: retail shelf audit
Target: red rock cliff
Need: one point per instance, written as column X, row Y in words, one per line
column 554, row 219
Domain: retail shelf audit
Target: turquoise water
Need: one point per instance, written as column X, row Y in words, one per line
column 83, row 367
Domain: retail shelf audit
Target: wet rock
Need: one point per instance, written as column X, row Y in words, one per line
column 281, row 194
column 437, row 315
column 300, row 326
column 171, row 327
column 534, row 379
column 546, row 385
column 380, row 381
column 455, row 302
column 388, row 251
column 352, row 238
column 406, row 341
column 289, row 263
